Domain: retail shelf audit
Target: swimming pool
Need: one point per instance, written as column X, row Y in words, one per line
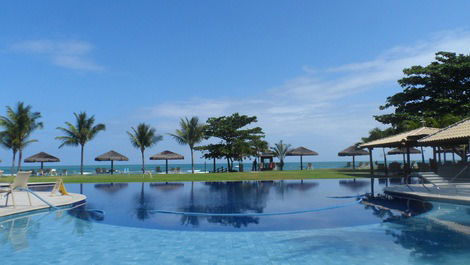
column 121, row 224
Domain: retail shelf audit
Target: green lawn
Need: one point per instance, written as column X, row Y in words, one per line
column 265, row 175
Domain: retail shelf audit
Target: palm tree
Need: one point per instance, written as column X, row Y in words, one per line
column 6, row 141
column 80, row 133
column 280, row 151
column 190, row 133
column 144, row 137
column 18, row 125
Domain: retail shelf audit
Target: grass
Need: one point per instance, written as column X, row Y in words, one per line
column 235, row 176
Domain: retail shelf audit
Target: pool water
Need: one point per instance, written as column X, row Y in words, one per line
column 121, row 224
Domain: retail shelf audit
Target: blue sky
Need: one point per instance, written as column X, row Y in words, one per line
column 313, row 72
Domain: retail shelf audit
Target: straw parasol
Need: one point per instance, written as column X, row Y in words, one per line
column 301, row 151
column 403, row 151
column 167, row 155
column 41, row 158
column 353, row 151
column 111, row 156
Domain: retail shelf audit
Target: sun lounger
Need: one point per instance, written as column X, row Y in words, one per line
column 20, row 182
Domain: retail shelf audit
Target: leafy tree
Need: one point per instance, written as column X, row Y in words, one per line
column 18, row 125
column 280, row 151
column 235, row 141
column 80, row 133
column 191, row 132
column 378, row 133
column 144, row 137
column 434, row 95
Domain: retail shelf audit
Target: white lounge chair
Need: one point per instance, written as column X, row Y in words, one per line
column 20, row 182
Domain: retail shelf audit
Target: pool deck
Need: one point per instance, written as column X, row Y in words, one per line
column 23, row 206
column 456, row 194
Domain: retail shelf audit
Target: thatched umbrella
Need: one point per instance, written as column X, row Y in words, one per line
column 301, row 151
column 167, row 155
column 111, row 156
column 353, row 151
column 41, row 158
column 403, row 151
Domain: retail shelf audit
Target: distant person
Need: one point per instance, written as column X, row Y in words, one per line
column 254, row 167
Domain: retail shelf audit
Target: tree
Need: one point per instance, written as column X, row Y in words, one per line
column 280, row 151
column 378, row 133
column 191, row 132
column 6, row 140
column 235, row 141
column 80, row 133
column 18, row 125
column 433, row 95
column 144, row 137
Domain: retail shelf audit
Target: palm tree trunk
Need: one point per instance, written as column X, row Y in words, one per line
column 143, row 161
column 20, row 156
column 192, row 160
column 13, row 162
column 82, row 147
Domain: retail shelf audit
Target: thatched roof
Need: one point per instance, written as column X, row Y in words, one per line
column 167, row 155
column 301, row 151
column 402, row 150
column 353, row 150
column 41, row 157
column 400, row 139
column 457, row 133
column 111, row 156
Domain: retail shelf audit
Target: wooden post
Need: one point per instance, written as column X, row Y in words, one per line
column 371, row 163
column 385, row 161
column 166, row 165
column 214, row 166
column 301, row 164
column 408, row 159
column 42, row 165
column 422, row 155
column 354, row 163
column 112, row 167
column 439, row 153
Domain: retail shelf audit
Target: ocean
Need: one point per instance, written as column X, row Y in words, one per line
column 135, row 168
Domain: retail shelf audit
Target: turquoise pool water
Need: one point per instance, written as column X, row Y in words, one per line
column 124, row 231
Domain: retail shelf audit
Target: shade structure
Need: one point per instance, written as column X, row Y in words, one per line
column 167, row 155
column 406, row 138
column 402, row 150
column 42, row 158
column 301, row 151
column 353, row 151
column 111, row 156
column 455, row 134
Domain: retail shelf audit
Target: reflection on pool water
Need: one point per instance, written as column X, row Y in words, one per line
column 120, row 225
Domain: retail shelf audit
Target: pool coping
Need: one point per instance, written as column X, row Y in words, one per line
column 71, row 199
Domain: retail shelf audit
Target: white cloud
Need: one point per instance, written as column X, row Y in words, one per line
column 70, row 54
column 315, row 103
